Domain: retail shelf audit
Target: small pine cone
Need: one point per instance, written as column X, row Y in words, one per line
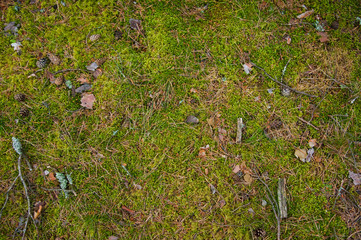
column 20, row 97
column 53, row 59
column 24, row 112
column 100, row 61
column 59, row 80
column 276, row 124
column 259, row 233
column 42, row 63
column 94, row 37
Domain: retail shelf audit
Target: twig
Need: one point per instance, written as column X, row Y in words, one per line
column 308, row 123
column 282, row 84
column 26, row 195
column 239, row 130
column 275, row 207
column 7, row 195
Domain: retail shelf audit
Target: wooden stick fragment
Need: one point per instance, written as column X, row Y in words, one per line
column 240, row 126
column 282, row 201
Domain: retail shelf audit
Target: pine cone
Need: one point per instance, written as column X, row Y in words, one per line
column 276, row 124
column 259, row 232
column 100, row 61
column 20, row 97
column 24, row 112
column 94, row 37
column 42, row 63
column 59, row 80
column 54, row 59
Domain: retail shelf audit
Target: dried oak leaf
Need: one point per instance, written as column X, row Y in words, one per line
column 82, row 79
column 323, row 36
column 52, row 177
column 87, row 101
column 301, row 154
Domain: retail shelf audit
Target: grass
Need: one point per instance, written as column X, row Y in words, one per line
column 135, row 161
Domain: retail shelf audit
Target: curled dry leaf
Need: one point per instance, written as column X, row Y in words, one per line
column 312, row 142
column 247, row 67
column 323, row 36
column 97, row 73
column 288, row 39
column 87, row 101
column 310, row 153
column 356, row 177
column 305, row 14
column 236, row 169
column 301, row 154
column 248, row 179
column 82, row 79
column 202, row 153
column 52, row 177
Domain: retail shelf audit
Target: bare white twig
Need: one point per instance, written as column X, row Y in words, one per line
column 26, row 195
column 7, row 194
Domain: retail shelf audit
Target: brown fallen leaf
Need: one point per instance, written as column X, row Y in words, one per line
column 248, row 179
column 202, row 153
column 356, row 177
column 236, row 169
column 288, row 39
column 38, row 207
column 305, row 14
column 52, row 177
column 82, row 79
column 312, row 143
column 301, row 154
column 245, row 169
column 323, row 36
column 87, row 101
column 128, row 210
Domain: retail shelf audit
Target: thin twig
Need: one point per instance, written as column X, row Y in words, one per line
column 58, row 189
column 282, row 84
column 308, row 123
column 7, row 195
column 26, row 195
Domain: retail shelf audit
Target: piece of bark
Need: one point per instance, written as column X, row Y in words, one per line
column 240, row 126
column 282, row 198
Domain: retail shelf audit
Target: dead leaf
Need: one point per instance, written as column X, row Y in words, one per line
column 213, row 189
column 206, row 171
column 248, row 179
column 92, row 67
column 202, row 153
column 97, row 73
column 52, row 177
column 37, row 213
column 309, row 154
column 236, row 169
column 38, row 207
column 222, row 203
column 245, row 169
column 356, row 177
column 247, row 67
column 323, row 36
column 301, row 154
column 312, row 142
column 193, row 90
column 87, row 101
column 288, row 39
column 83, row 80
column 305, row 14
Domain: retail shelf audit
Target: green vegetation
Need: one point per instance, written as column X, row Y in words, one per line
column 139, row 170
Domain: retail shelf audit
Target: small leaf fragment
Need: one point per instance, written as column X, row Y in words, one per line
column 301, row 154
column 312, row 143
column 92, row 67
column 87, row 101
column 356, row 177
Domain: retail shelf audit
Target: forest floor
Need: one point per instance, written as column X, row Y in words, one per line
column 129, row 118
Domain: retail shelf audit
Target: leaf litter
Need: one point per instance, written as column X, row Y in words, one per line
column 87, row 100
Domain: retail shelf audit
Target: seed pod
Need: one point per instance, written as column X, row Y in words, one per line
column 94, row 37
column 20, row 97
column 54, row 59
